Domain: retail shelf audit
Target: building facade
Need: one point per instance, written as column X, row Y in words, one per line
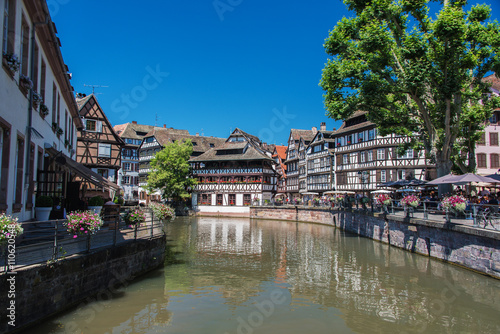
column 38, row 113
column 320, row 162
column 234, row 175
column 365, row 159
column 128, row 176
column 155, row 141
column 99, row 147
column 279, row 157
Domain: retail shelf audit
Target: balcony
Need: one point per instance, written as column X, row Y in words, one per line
column 230, row 171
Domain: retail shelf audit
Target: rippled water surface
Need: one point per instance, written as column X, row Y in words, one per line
column 240, row 276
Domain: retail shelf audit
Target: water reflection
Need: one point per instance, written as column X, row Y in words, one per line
column 241, row 276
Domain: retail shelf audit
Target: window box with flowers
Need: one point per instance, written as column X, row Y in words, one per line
column 25, row 84
column 37, row 100
column 83, row 223
column 44, row 111
column 11, row 63
column 9, row 228
column 59, row 131
column 409, row 203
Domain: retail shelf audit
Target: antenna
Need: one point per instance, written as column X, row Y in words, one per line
column 94, row 87
column 156, row 118
column 202, row 134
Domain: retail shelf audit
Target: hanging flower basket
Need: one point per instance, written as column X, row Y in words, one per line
column 83, row 223
column 383, row 199
column 454, row 203
column 135, row 217
column 9, row 228
column 11, row 61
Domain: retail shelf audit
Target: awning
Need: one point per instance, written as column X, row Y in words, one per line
column 82, row 171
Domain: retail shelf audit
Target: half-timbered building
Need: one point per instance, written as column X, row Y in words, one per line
column 320, row 162
column 297, row 142
column 279, row 156
column 99, row 147
column 128, row 176
column 234, row 175
column 365, row 159
column 155, row 141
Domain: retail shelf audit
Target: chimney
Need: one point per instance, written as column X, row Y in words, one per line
column 164, row 126
column 197, row 134
column 134, row 122
column 334, row 129
column 314, row 129
column 323, row 126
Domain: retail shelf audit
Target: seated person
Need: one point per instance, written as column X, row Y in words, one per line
column 493, row 204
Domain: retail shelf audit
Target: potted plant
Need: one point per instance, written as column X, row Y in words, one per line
column 384, row 201
column 83, row 223
column 9, row 228
column 43, row 207
column 453, row 203
column 11, row 61
column 25, row 82
column 96, row 203
column 44, row 111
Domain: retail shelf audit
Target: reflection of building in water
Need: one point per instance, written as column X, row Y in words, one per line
column 229, row 236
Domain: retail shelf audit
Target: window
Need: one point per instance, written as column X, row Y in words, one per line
column 232, row 199
column 93, row 125
column 494, row 162
column 247, row 199
column 370, row 155
column 18, row 179
column 126, row 166
column 362, row 157
column 104, row 150
column 103, row 172
column 206, row 199
column 493, row 138
column 25, row 42
column 212, row 145
column 43, row 77
column 54, row 102
column 481, row 160
column 493, row 118
column 9, row 26
column 381, row 154
column 407, row 155
column 401, row 174
column 219, row 199
column 126, row 179
column 317, row 148
column 383, row 176
column 371, row 134
column 345, row 159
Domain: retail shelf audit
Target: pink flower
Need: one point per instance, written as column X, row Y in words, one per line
column 75, row 236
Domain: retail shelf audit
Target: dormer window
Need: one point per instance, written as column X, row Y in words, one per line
column 92, row 125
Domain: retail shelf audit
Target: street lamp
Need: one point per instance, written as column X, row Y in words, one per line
column 363, row 177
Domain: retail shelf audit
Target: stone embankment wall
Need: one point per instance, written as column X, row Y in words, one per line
column 472, row 248
column 44, row 290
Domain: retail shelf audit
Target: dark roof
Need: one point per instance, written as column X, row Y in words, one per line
column 133, row 130
column 250, row 154
column 307, row 135
column 201, row 144
column 81, row 102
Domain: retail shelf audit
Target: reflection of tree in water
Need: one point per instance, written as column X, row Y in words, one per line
column 375, row 286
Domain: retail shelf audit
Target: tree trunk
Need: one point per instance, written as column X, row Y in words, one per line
column 443, row 168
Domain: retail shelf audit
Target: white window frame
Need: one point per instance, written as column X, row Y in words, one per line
column 363, row 157
column 345, row 159
column 104, row 150
column 383, row 176
column 370, row 155
column 381, row 154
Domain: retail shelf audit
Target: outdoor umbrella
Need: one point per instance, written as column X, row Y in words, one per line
column 462, row 179
column 381, row 191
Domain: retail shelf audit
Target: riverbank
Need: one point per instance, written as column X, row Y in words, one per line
column 473, row 248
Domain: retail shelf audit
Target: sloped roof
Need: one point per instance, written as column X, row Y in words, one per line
column 495, row 82
column 307, row 135
column 132, row 130
column 250, row 154
column 281, row 151
column 166, row 136
column 81, row 102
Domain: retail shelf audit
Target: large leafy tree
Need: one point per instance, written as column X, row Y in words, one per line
column 170, row 170
column 417, row 74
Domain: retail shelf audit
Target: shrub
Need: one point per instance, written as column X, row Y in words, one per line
column 96, row 201
column 83, row 223
column 162, row 211
column 44, row 202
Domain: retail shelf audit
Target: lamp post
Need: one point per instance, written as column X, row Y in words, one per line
column 363, row 177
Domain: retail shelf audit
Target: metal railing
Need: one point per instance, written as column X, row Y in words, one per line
column 49, row 241
column 475, row 215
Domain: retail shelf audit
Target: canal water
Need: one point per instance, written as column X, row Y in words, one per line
column 252, row 276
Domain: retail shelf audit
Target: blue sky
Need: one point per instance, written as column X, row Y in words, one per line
column 206, row 66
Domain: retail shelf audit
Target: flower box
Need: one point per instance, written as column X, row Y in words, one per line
column 83, row 223
column 11, row 62
column 44, row 111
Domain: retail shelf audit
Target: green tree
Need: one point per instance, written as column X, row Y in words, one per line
column 415, row 75
column 170, row 171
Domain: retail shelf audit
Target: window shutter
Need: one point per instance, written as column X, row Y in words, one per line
column 378, row 176
column 99, row 126
column 375, row 157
